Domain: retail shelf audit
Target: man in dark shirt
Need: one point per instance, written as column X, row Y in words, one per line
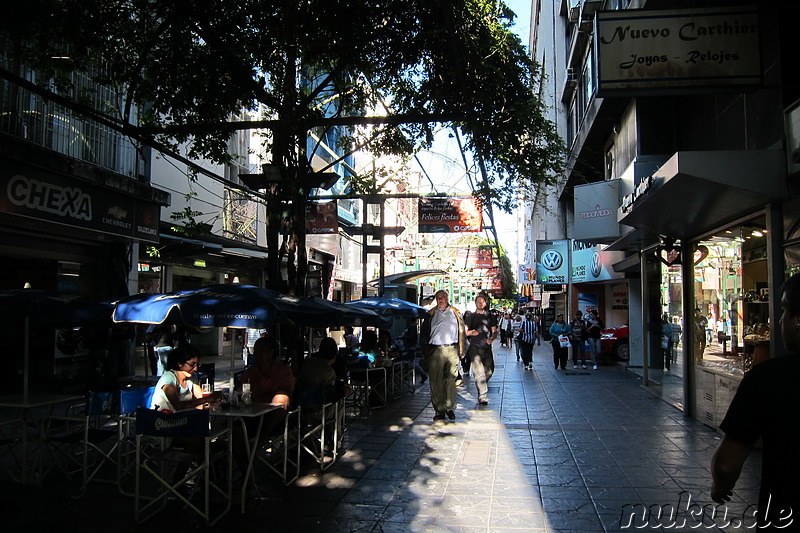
column 481, row 331
column 765, row 406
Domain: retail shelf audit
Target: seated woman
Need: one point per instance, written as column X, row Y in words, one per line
column 388, row 348
column 175, row 390
column 368, row 351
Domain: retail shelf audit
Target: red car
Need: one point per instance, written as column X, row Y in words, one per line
column 614, row 343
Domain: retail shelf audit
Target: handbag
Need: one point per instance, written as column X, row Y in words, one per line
column 664, row 342
column 563, row 340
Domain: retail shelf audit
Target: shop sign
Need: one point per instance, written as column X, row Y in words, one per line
column 450, row 215
column 595, row 208
column 322, row 218
column 49, row 196
column 641, row 189
column 674, row 50
column 552, row 261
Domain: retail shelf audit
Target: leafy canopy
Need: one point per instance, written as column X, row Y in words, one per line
column 182, row 68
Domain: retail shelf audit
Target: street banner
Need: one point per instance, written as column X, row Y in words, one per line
column 467, row 258
column 484, row 257
column 322, row 218
column 552, row 261
column 449, row 215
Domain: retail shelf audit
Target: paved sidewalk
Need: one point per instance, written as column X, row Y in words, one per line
column 575, row 450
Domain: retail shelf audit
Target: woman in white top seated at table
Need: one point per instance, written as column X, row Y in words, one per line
column 175, row 390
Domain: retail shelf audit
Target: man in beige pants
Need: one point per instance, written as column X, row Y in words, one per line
column 442, row 336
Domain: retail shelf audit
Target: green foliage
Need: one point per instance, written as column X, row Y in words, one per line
column 185, row 66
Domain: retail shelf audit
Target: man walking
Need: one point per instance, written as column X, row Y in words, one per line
column 481, row 330
column 442, row 337
column 527, row 338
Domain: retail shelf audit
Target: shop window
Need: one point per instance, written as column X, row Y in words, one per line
column 731, row 316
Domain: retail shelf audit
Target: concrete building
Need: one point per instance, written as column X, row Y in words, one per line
column 681, row 120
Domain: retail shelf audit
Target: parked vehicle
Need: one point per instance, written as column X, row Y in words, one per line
column 614, row 343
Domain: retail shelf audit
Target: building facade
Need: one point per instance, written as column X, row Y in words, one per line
column 681, row 122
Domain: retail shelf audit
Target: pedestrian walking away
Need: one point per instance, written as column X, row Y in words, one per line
column 764, row 406
column 516, row 327
column 527, row 338
column 559, row 329
column 443, row 339
column 578, row 340
column 502, row 324
column 481, row 330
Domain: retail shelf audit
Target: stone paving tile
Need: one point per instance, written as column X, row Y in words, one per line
column 555, row 464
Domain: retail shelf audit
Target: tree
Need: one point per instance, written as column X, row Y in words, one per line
column 183, row 67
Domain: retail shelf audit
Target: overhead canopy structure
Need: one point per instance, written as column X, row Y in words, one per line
column 405, row 277
column 390, row 308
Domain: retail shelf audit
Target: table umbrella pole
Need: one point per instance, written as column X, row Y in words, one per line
column 25, row 363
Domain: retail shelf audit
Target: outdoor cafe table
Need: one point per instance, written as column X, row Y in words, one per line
column 32, row 412
column 240, row 413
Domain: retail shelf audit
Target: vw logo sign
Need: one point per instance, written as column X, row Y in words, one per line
column 595, row 266
column 552, row 260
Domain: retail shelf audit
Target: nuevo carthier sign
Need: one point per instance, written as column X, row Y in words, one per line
column 677, row 49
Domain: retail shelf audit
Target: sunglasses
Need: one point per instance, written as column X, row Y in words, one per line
column 193, row 364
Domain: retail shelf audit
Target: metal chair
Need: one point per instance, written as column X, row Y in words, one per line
column 84, row 443
column 156, row 458
column 129, row 400
column 369, row 388
column 281, row 452
column 321, row 424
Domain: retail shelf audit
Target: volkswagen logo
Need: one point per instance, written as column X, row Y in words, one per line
column 552, row 260
column 596, row 266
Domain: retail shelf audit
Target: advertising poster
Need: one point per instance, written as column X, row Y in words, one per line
column 484, row 257
column 526, row 274
column 591, row 263
column 450, row 215
column 552, row 261
column 322, row 218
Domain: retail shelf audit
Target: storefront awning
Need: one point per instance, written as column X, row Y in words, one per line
column 635, row 239
column 694, row 192
column 630, row 264
column 244, row 252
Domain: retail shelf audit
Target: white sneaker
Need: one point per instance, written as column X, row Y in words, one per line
column 584, row 366
column 594, row 367
column 574, row 366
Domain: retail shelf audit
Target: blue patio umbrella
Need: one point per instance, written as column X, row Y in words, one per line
column 230, row 305
column 238, row 306
column 390, row 307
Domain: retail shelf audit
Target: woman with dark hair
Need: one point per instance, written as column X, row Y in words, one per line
column 175, row 390
column 558, row 329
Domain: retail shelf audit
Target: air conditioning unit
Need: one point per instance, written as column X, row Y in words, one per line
column 572, row 75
